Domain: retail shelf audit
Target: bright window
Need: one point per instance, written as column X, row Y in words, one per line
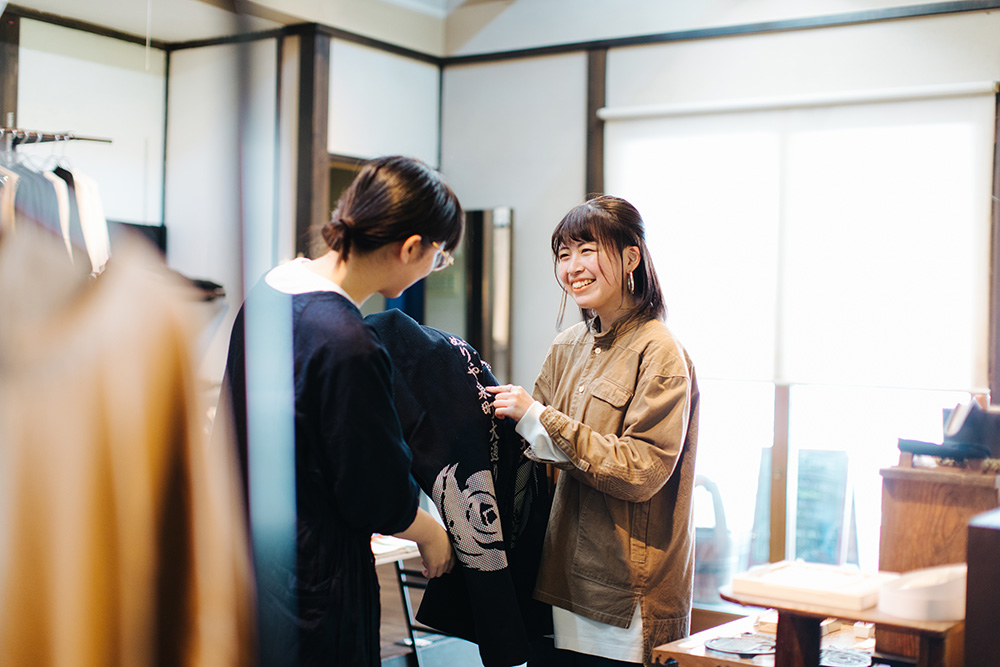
column 834, row 255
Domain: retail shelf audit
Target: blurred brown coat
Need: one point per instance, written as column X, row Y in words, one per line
column 121, row 537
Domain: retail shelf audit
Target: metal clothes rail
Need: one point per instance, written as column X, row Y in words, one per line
column 12, row 136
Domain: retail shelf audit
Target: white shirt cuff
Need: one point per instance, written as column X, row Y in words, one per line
column 539, row 442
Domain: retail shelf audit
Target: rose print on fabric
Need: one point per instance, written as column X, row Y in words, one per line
column 472, row 518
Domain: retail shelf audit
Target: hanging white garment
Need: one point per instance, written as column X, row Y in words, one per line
column 8, row 191
column 62, row 195
column 95, row 225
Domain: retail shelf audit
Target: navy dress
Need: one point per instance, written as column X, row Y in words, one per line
column 353, row 478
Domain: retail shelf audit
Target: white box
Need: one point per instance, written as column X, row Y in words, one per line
column 840, row 586
column 930, row 594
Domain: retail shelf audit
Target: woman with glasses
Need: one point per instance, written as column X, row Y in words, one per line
column 395, row 224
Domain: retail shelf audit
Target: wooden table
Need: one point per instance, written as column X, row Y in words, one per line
column 798, row 636
column 692, row 652
column 389, row 549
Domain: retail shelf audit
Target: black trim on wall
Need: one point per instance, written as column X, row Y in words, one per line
column 994, row 310
column 166, row 126
column 279, row 84
column 104, row 31
column 313, row 187
column 809, row 23
column 440, row 118
column 241, row 38
column 337, row 33
column 349, row 160
column 596, row 85
column 304, row 30
column 10, row 40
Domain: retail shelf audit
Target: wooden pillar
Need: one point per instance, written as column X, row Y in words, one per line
column 779, row 475
column 993, row 353
column 10, row 31
column 313, row 165
column 596, row 83
column 797, row 641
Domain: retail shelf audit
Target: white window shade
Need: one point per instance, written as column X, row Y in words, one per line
column 843, row 244
column 709, row 196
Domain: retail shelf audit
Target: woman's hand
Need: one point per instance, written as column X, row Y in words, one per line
column 436, row 554
column 510, row 400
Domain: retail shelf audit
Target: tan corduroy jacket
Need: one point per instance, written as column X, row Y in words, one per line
column 623, row 406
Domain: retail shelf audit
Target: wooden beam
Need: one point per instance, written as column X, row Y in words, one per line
column 779, row 474
column 313, row 173
column 85, row 26
column 10, row 38
column 993, row 353
column 596, row 90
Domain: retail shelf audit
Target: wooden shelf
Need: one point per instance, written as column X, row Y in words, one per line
column 819, row 611
column 944, row 475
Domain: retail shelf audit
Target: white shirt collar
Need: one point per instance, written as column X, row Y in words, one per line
column 295, row 277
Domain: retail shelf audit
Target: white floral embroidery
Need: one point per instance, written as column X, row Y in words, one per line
column 472, row 518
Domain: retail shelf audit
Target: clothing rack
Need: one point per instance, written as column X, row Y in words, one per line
column 72, row 212
column 12, row 136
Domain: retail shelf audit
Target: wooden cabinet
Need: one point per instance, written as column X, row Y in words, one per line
column 925, row 522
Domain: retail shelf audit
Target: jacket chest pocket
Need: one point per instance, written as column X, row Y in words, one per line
column 606, row 406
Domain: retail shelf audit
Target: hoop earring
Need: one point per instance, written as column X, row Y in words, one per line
column 631, row 283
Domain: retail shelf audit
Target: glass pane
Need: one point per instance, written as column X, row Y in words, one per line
column 444, row 296
column 887, row 246
column 731, row 507
column 708, row 192
column 839, row 438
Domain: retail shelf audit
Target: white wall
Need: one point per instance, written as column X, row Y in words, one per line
column 514, row 131
column 74, row 81
column 515, row 135
column 209, row 160
column 382, row 104
column 412, row 25
column 914, row 52
column 505, row 25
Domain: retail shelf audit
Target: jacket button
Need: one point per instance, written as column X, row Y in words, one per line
column 597, row 350
column 582, row 387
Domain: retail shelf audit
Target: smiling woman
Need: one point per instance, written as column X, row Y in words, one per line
column 590, row 276
column 616, row 405
column 601, row 262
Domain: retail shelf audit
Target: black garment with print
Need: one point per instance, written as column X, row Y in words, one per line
column 493, row 500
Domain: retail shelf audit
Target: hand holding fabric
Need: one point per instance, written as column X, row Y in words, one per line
column 510, row 400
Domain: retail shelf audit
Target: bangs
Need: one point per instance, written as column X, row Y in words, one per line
column 582, row 224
